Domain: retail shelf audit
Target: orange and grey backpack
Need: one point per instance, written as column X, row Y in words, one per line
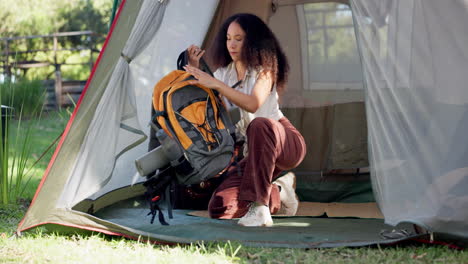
column 196, row 119
column 192, row 127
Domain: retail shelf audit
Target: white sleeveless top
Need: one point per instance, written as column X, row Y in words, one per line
column 269, row 109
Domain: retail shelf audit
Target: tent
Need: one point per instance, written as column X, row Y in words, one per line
column 377, row 87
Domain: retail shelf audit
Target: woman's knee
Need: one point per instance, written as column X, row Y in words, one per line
column 223, row 204
column 216, row 207
column 221, row 208
column 260, row 126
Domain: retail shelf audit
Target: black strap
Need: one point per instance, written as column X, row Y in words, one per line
column 237, row 84
column 154, row 209
column 169, row 199
column 183, row 60
column 155, row 126
column 155, row 187
column 159, row 113
column 182, row 107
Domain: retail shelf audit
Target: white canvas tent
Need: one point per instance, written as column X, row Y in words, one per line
column 373, row 83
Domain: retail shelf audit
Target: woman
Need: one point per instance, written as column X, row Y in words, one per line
column 246, row 50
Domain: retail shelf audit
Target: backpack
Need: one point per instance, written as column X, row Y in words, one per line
column 193, row 120
column 195, row 134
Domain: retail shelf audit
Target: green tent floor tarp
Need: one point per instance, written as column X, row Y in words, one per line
column 298, row 232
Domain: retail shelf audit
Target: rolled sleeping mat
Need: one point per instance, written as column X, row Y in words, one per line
column 152, row 161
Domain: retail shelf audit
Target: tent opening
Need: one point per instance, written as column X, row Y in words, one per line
column 325, row 100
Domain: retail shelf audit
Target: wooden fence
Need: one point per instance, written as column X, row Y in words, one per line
column 60, row 93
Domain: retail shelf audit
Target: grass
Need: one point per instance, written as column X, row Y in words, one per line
column 24, row 100
column 51, row 248
column 24, row 95
column 38, row 247
column 42, row 134
column 98, row 249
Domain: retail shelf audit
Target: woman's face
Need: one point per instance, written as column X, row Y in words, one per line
column 235, row 41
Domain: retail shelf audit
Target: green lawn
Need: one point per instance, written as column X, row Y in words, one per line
column 37, row 247
column 44, row 131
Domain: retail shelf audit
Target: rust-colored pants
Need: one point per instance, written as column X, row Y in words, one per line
column 273, row 146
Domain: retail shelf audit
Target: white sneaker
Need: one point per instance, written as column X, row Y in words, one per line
column 288, row 196
column 258, row 215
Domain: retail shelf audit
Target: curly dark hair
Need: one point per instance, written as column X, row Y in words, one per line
column 260, row 49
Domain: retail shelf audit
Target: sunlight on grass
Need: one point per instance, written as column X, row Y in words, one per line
column 98, row 249
column 41, row 248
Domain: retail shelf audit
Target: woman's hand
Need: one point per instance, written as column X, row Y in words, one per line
column 194, row 55
column 249, row 102
column 203, row 78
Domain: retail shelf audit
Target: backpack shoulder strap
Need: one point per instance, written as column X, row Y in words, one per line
column 182, row 60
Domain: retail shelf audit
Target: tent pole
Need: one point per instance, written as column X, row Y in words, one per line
column 114, row 9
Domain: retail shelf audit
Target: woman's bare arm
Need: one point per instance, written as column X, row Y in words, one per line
column 249, row 102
